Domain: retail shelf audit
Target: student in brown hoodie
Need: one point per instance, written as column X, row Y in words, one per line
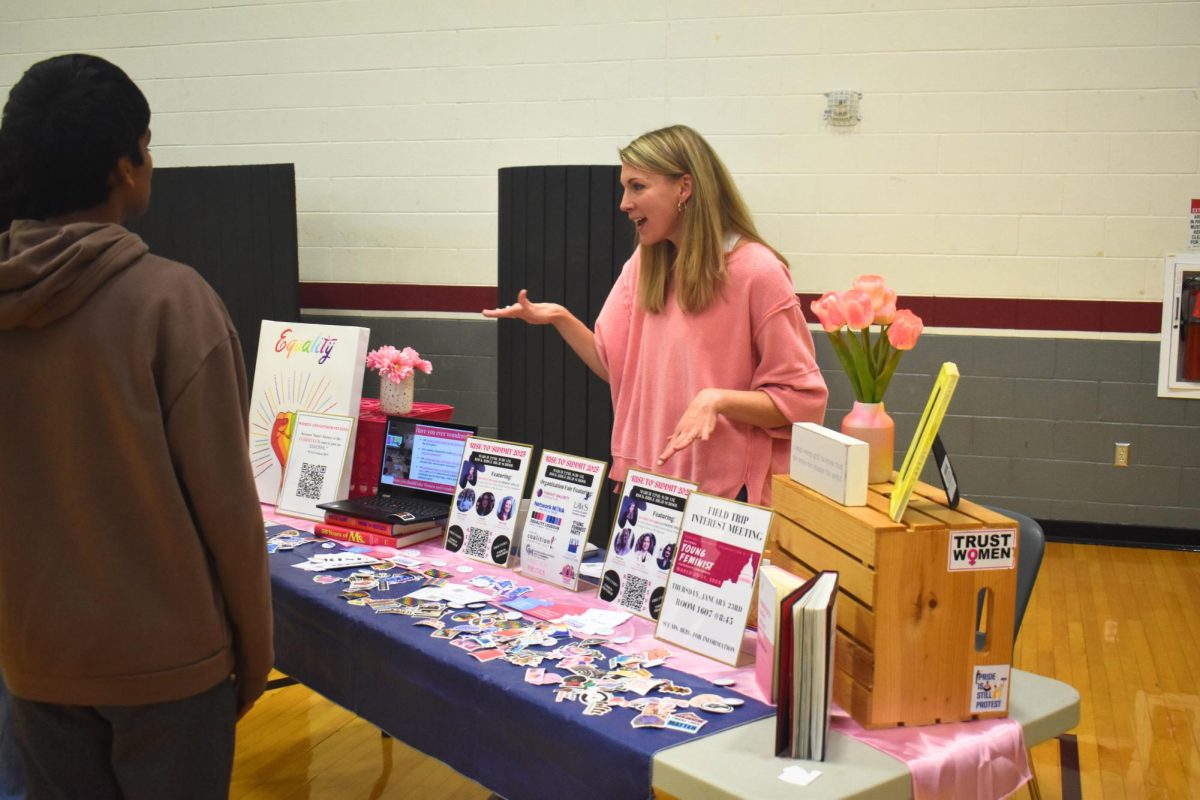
column 135, row 621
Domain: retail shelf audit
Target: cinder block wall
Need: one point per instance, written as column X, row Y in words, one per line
column 1023, row 149
column 463, row 354
column 1033, row 422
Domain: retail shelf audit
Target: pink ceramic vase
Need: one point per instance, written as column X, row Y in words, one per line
column 869, row 422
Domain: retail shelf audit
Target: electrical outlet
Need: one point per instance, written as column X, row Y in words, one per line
column 1121, row 454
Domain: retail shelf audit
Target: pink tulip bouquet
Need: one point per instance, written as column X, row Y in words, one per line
column 397, row 365
column 847, row 317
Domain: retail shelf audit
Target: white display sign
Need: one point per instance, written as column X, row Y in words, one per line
column 299, row 367
column 561, row 509
column 483, row 515
column 709, row 591
column 830, row 462
column 317, row 469
column 642, row 545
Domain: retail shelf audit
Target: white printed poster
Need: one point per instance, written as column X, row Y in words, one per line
column 709, row 591
column 317, row 470
column 483, row 515
column 642, row 545
column 561, row 509
column 299, row 367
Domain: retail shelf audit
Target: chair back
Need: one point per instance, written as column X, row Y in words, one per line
column 1029, row 560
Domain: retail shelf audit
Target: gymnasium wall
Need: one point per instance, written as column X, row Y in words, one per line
column 1019, row 173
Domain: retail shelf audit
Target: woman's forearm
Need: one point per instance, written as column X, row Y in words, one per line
column 752, row 407
column 580, row 339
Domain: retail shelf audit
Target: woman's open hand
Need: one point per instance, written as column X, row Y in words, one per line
column 524, row 309
column 697, row 422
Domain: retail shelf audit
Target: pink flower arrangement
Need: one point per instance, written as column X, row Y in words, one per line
column 397, row 365
column 869, row 363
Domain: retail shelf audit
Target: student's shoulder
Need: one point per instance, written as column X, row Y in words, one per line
column 170, row 278
column 177, row 292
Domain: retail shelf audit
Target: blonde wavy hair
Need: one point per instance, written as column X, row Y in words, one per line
column 714, row 211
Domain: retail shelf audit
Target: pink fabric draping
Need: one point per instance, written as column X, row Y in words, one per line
column 952, row 760
column 983, row 759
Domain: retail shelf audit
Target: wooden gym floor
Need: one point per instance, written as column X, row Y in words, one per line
column 1120, row 624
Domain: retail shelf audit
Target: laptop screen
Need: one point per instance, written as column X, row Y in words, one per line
column 422, row 455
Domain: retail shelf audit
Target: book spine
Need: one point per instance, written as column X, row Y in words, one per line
column 353, row 535
column 359, row 524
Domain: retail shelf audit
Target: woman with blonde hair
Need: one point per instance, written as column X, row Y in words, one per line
column 701, row 339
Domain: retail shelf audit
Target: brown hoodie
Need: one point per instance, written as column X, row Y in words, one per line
column 132, row 561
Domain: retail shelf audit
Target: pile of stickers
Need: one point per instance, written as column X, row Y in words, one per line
column 466, row 618
column 287, row 539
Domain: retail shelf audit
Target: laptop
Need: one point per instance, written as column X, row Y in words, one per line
column 421, row 459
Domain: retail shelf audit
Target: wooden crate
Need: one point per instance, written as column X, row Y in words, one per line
column 906, row 642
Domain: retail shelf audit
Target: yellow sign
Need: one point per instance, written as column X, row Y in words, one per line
column 922, row 442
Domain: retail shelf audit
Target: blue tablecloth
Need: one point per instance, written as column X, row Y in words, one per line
column 482, row 719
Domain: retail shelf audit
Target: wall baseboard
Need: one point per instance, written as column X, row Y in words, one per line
column 1123, row 535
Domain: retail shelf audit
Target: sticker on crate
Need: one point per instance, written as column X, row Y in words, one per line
column 989, row 689
column 982, row 549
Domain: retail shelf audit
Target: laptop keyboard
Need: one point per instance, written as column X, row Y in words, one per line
column 395, row 505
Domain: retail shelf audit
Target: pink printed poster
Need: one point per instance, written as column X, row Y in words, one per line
column 710, row 588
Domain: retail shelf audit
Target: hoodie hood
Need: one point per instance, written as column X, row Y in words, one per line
column 48, row 271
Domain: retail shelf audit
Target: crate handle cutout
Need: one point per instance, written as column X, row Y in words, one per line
column 983, row 620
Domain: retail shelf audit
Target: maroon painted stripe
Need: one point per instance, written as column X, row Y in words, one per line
column 396, row 296
column 1108, row 316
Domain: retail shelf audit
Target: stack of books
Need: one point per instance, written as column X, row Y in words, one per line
column 796, row 627
column 349, row 528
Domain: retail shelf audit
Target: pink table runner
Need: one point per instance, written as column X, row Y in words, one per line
column 953, row 760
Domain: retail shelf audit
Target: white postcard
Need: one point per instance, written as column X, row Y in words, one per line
column 318, row 467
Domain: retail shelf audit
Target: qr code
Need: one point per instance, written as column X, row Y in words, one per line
column 578, row 528
column 312, row 478
column 477, row 542
column 633, row 593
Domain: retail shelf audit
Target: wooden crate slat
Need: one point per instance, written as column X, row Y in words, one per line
column 955, row 520
column 853, row 617
column 913, row 519
column 854, row 698
column 858, row 579
column 856, row 528
column 855, row 659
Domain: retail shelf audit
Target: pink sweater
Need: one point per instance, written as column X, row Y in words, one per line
column 752, row 338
